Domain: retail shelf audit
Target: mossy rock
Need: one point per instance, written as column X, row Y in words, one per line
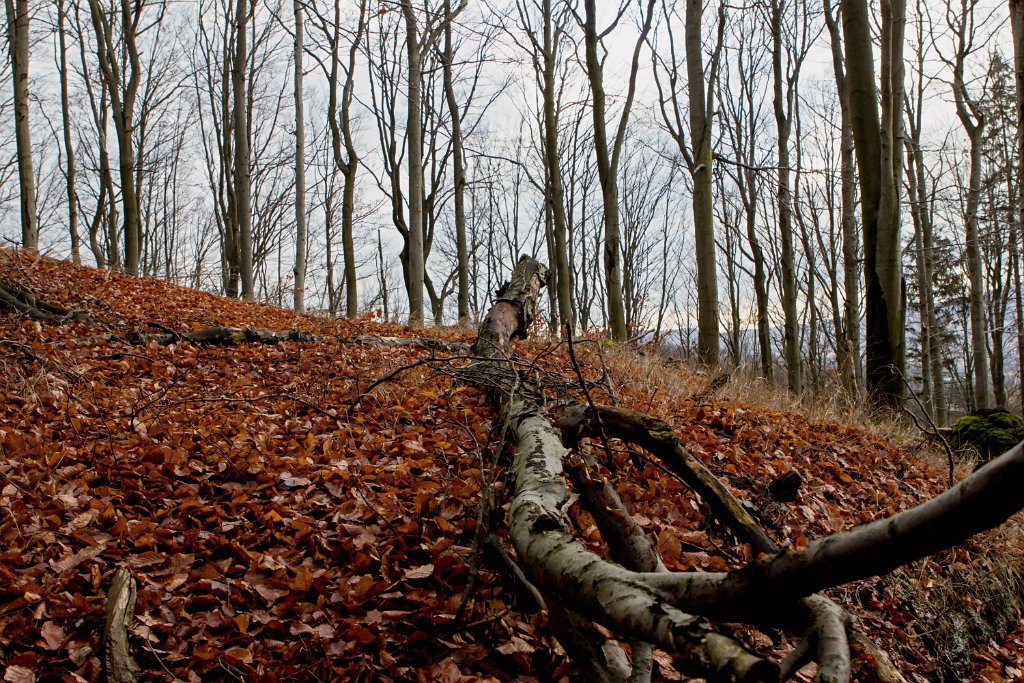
column 991, row 433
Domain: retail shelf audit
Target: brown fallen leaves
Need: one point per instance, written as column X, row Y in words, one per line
column 276, row 535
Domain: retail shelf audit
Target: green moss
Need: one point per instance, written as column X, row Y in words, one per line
column 991, row 435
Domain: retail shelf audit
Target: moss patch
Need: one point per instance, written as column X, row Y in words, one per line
column 990, row 434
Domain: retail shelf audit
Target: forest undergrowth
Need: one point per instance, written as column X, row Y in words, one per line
column 283, row 522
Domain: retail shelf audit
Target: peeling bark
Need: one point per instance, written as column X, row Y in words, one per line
column 118, row 665
column 670, row 610
column 554, row 560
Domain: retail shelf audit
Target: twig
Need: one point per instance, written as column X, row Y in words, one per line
column 398, row 371
column 590, row 401
column 935, row 429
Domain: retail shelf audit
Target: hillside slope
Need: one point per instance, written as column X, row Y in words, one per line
column 278, row 533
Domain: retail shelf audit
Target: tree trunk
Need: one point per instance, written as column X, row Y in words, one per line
column 849, row 359
column 608, row 160
column 701, row 121
column 458, row 173
column 552, row 164
column 974, row 125
column 670, row 609
column 18, row 50
column 341, row 138
column 121, row 82
column 243, row 171
column 1017, row 30
column 783, row 103
column 69, row 147
column 300, row 170
column 877, row 144
column 414, row 130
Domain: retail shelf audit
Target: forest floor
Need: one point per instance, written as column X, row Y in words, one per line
column 279, row 533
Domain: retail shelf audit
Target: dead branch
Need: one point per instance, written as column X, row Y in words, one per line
column 660, row 608
column 27, row 303
column 118, row 665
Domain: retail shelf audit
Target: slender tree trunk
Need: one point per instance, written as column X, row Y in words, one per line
column 552, row 162
column 459, row 174
column 383, row 274
column 609, row 181
column 877, row 142
column 783, row 122
column 300, row 170
column 849, row 360
column 923, row 288
column 414, row 129
column 122, row 71
column 243, row 171
column 109, row 217
column 346, row 161
column 701, row 121
column 69, row 147
column 1017, row 30
column 973, row 122
column 1018, row 299
column 18, row 51
column 976, row 295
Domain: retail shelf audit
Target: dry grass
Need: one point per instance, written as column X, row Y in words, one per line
column 960, row 604
column 830, row 403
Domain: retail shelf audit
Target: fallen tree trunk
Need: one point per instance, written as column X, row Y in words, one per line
column 670, row 609
column 27, row 303
column 552, row 558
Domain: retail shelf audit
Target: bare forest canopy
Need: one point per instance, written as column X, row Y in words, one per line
column 825, row 193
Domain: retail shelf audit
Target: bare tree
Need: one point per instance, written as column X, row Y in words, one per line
column 117, row 54
column 299, row 272
column 340, row 76
column 18, row 53
column 459, row 168
column 849, row 350
column 608, row 155
column 697, row 151
column 878, row 146
column 545, row 48
column 791, row 41
column 242, row 160
column 742, row 118
column 69, row 147
column 417, row 42
column 1017, row 30
column 961, row 22
column 921, row 213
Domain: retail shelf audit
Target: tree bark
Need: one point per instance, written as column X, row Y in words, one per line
column 299, row 272
column 920, row 208
column 974, row 123
column 701, row 122
column 18, row 51
column 877, row 143
column 652, row 606
column 122, row 72
column 608, row 156
column 414, row 130
column 783, row 91
column 553, row 168
column 458, row 173
column 849, row 357
column 118, row 665
column 69, row 147
column 1017, row 31
column 242, row 157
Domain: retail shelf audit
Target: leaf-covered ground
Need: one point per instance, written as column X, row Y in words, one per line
column 277, row 533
